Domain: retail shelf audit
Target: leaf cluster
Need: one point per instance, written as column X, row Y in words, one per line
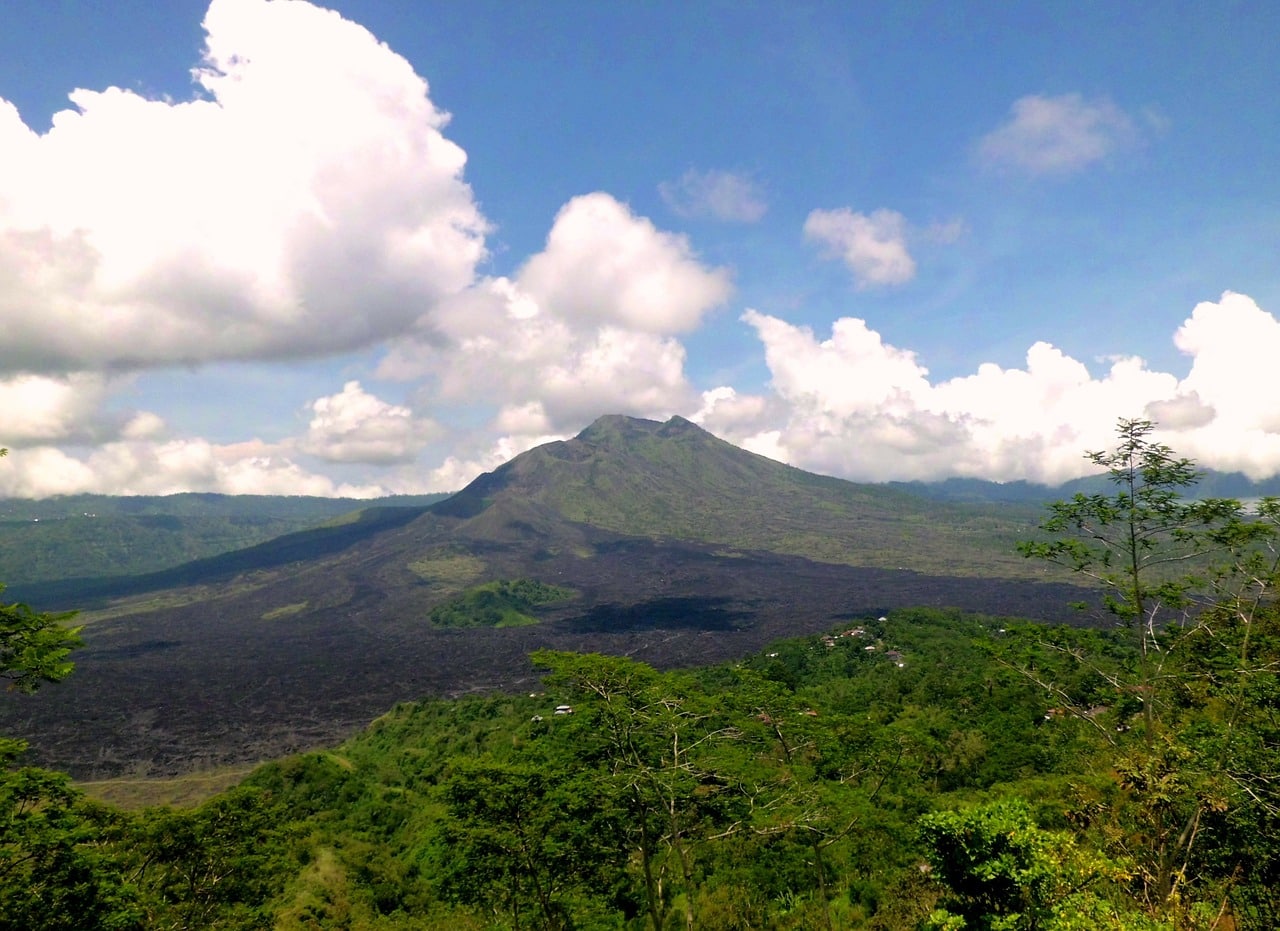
column 34, row 646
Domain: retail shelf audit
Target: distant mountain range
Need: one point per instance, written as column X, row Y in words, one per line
column 676, row 547
column 978, row 491
column 86, row 536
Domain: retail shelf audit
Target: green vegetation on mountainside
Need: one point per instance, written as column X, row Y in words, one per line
column 800, row 788
column 88, row 546
column 98, row 536
column 306, row 509
column 445, row 813
column 502, row 603
column 180, row 583
column 676, row 481
column 666, row 482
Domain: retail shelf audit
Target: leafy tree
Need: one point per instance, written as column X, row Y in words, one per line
column 1003, row 873
column 657, row 739
column 213, row 867
column 814, row 782
column 533, row 837
column 55, row 872
column 1192, row 582
column 34, row 646
column 1146, row 545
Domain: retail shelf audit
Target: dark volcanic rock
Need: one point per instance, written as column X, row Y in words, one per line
column 208, row 684
column 683, row 549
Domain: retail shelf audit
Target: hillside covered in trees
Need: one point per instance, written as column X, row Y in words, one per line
column 824, row 782
column 87, row 537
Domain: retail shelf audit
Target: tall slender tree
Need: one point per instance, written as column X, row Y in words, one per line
column 1193, row 582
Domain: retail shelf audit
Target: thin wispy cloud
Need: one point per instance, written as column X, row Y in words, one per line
column 1058, row 135
column 715, row 195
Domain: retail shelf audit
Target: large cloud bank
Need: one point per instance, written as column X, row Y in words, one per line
column 586, row 326
column 306, row 203
column 855, row 406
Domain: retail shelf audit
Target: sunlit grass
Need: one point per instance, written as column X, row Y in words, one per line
column 187, row 791
column 448, row 568
column 285, row 611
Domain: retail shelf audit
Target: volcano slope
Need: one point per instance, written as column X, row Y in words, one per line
column 681, row 549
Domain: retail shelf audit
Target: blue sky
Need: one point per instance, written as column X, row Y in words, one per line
column 383, row 248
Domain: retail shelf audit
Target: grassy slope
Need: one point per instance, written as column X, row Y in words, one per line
column 186, row 791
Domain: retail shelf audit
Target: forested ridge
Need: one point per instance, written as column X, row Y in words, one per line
column 455, row 813
column 926, row 769
column 89, row 536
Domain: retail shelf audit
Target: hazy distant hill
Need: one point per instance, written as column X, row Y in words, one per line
column 679, row 548
column 978, row 491
column 199, row 504
column 83, row 536
column 668, row 480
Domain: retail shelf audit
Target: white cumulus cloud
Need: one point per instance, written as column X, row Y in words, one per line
column 499, row 347
column 128, row 467
column 41, row 408
column 1233, row 343
column 585, row 327
column 355, row 426
column 602, row 263
column 855, row 406
column 873, row 246
column 305, row 201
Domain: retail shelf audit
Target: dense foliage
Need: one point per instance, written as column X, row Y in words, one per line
column 502, row 603
column 782, row 791
column 924, row 770
column 805, row 787
column 34, row 646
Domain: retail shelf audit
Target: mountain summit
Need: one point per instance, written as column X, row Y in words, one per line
column 676, row 481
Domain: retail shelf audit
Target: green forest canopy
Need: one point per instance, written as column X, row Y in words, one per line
column 501, row 603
